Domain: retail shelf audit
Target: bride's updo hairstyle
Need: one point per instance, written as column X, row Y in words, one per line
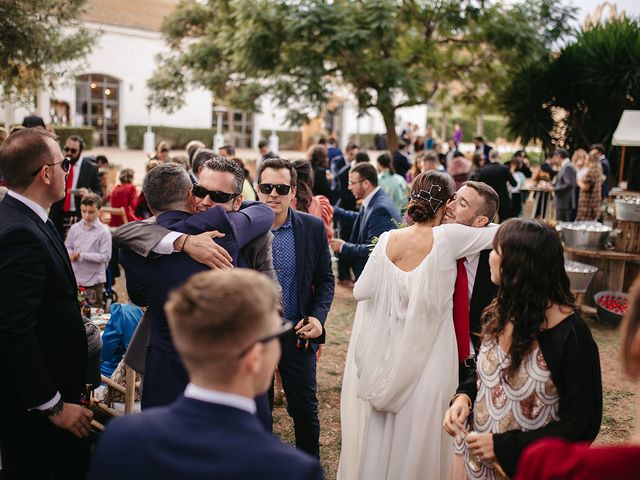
column 429, row 193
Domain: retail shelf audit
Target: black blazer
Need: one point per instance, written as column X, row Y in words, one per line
column 497, row 176
column 316, row 284
column 484, row 291
column 43, row 344
column 205, row 441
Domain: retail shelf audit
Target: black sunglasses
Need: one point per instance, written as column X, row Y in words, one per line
column 65, row 163
column 71, row 150
column 281, row 188
column 285, row 328
column 216, row 196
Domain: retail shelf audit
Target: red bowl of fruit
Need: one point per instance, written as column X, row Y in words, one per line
column 611, row 306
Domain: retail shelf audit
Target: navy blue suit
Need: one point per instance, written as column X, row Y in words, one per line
column 43, row 346
column 297, row 368
column 149, row 281
column 196, row 440
column 368, row 223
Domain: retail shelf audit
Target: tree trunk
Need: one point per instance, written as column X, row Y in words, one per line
column 389, row 117
column 480, row 125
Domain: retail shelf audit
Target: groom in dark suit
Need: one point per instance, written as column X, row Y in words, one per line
column 377, row 215
column 474, row 205
column 43, row 344
column 226, row 328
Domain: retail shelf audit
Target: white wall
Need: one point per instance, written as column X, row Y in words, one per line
column 129, row 55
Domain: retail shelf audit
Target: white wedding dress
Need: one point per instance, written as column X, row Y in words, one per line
column 401, row 368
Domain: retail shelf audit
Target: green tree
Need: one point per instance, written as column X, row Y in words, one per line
column 387, row 54
column 591, row 81
column 38, row 41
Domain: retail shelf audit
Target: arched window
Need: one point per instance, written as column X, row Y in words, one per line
column 98, row 106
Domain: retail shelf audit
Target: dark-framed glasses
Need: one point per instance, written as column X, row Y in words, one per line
column 285, row 328
column 216, row 196
column 281, row 188
column 355, row 183
column 65, row 164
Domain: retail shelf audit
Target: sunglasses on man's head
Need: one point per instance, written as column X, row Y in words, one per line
column 216, row 196
column 65, row 164
column 281, row 188
column 72, row 151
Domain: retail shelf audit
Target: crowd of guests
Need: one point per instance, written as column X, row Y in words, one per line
column 465, row 342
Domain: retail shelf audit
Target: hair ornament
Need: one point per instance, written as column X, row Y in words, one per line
column 428, row 197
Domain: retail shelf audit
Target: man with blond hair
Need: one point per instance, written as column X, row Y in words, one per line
column 226, row 326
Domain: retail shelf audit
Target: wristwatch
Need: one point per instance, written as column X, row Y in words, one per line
column 53, row 411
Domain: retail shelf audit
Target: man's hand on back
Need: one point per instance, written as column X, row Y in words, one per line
column 204, row 250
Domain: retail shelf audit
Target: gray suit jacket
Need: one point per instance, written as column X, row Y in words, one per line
column 141, row 237
column 565, row 187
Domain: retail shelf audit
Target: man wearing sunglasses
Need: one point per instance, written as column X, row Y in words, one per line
column 303, row 263
column 83, row 178
column 43, row 344
column 169, row 192
column 226, row 327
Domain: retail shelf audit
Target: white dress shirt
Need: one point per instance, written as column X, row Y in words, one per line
column 74, row 184
column 42, row 213
column 220, row 398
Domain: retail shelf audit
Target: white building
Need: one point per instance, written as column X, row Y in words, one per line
column 108, row 89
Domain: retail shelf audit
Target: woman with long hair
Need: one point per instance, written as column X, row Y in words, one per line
column 557, row 459
column 248, row 193
column 538, row 370
column 402, row 362
column 320, row 164
column 305, row 201
column 590, row 196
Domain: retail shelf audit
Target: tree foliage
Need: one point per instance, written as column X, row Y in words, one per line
column 592, row 80
column 38, row 41
column 388, row 54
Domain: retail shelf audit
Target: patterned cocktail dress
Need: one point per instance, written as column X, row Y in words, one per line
column 529, row 401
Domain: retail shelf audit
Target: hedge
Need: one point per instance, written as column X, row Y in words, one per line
column 288, row 139
column 494, row 127
column 86, row 133
column 176, row 136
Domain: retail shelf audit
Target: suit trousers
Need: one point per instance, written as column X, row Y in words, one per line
column 165, row 378
column 34, row 448
column 344, row 266
column 563, row 214
column 298, row 371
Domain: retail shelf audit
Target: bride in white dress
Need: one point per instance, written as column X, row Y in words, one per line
column 402, row 367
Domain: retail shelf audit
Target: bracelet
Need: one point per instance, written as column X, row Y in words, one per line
column 469, row 402
column 184, row 242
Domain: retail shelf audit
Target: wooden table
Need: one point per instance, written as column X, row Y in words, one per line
column 616, row 270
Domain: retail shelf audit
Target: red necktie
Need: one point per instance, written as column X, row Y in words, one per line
column 67, row 197
column 461, row 312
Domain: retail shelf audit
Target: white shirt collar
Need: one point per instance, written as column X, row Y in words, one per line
column 220, row 398
column 565, row 162
column 41, row 212
column 368, row 198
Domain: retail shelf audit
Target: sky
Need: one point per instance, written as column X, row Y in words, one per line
column 631, row 7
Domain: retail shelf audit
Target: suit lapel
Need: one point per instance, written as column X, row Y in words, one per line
column 299, row 237
column 54, row 238
column 57, row 243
